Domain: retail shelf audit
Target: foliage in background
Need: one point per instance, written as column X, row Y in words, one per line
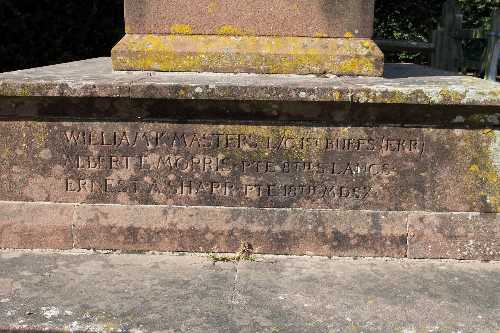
column 416, row 19
column 42, row 32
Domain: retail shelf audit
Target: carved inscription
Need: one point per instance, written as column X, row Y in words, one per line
column 234, row 165
column 216, row 140
column 249, row 165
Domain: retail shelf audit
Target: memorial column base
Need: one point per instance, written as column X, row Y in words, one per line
column 401, row 166
column 248, row 54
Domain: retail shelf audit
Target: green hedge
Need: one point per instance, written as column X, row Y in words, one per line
column 40, row 32
column 415, row 20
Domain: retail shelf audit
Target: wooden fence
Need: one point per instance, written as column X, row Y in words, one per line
column 447, row 47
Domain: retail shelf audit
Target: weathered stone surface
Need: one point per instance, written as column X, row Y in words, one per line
column 263, row 36
column 254, row 165
column 36, row 226
column 366, row 296
column 312, row 18
column 248, row 54
column 77, row 292
column 223, row 229
column 456, row 236
column 401, row 84
column 86, row 78
column 296, row 145
column 203, row 229
column 86, row 293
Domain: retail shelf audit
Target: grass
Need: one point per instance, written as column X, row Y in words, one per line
column 244, row 253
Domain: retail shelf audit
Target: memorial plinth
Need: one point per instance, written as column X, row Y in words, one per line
column 402, row 165
column 263, row 36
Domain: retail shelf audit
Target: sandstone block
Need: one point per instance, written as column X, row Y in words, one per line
column 299, row 18
column 248, row 54
column 218, row 229
column 454, row 236
column 35, row 226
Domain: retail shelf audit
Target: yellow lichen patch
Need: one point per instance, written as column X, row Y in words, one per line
column 396, row 97
column 348, row 34
column 357, row 65
column 24, row 92
column 489, row 132
column 272, row 55
column 337, row 96
column 320, row 35
column 451, row 97
column 367, row 44
column 485, row 167
column 474, row 168
column 230, row 30
column 181, row 29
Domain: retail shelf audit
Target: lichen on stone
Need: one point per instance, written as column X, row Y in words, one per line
column 182, row 29
column 249, row 54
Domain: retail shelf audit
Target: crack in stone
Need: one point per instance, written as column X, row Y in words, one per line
column 235, row 293
column 73, row 221
column 407, row 236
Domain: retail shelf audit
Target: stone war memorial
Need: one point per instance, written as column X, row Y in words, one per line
column 248, row 166
column 274, row 124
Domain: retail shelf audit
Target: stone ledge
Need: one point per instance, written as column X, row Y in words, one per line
column 248, row 54
column 84, row 292
column 36, row 225
column 401, row 84
column 271, row 231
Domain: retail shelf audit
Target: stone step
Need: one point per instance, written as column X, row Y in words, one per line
column 26, row 225
column 110, row 292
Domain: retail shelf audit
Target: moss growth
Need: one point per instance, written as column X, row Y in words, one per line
column 484, row 167
column 244, row 253
column 476, row 119
column 40, row 134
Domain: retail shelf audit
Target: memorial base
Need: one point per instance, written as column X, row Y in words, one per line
column 401, row 166
column 247, row 54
